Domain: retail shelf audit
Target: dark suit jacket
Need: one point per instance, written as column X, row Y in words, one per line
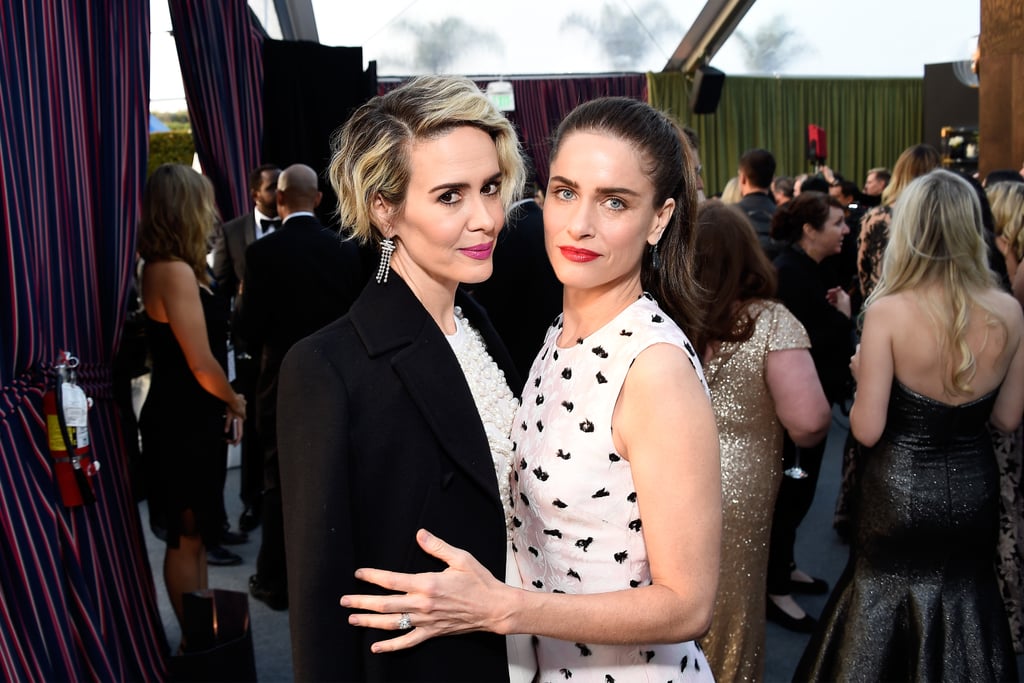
column 379, row 436
column 802, row 289
column 523, row 296
column 229, row 244
column 297, row 279
column 760, row 207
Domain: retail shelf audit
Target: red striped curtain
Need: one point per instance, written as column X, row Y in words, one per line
column 220, row 47
column 543, row 101
column 77, row 600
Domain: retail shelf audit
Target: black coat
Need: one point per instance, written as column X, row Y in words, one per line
column 379, row 436
column 297, row 279
column 802, row 289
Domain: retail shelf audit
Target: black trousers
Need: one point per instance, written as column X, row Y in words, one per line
column 251, row 480
column 270, row 563
column 791, row 506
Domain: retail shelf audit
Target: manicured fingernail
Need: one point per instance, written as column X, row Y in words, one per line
column 344, row 601
column 375, row 648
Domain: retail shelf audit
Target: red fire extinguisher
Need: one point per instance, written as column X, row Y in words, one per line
column 66, row 407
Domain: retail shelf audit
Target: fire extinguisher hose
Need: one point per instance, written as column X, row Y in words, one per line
column 80, row 478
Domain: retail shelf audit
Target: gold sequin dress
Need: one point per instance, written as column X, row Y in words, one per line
column 750, row 437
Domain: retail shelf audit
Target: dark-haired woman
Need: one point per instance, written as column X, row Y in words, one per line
column 616, row 489
column 812, row 227
column 762, row 382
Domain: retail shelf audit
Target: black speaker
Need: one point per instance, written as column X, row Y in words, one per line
column 706, row 90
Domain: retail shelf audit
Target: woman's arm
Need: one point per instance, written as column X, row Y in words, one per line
column 1009, row 406
column 173, row 286
column 664, row 426
column 799, row 399
column 872, row 368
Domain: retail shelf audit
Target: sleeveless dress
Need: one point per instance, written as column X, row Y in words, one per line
column 750, row 439
column 918, row 600
column 182, row 426
column 576, row 524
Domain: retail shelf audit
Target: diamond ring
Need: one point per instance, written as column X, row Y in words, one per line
column 404, row 622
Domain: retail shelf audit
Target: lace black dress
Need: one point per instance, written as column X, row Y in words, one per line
column 918, row 600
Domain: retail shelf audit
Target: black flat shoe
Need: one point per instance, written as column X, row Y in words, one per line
column 777, row 615
column 219, row 556
column 250, row 518
column 814, row 587
column 275, row 600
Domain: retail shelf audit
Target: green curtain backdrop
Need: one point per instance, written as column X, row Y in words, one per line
column 868, row 121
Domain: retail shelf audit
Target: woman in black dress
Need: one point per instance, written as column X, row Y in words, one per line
column 940, row 356
column 812, row 227
column 191, row 407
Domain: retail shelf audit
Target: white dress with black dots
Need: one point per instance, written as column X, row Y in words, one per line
column 577, row 526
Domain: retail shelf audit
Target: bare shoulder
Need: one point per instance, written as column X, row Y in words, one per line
column 168, row 271
column 662, row 366
column 1006, row 306
column 890, row 308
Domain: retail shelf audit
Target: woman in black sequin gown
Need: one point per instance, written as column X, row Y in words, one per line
column 939, row 357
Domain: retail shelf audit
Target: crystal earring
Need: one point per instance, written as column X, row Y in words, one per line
column 387, row 247
column 655, row 259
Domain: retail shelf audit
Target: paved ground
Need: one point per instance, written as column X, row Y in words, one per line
column 819, row 552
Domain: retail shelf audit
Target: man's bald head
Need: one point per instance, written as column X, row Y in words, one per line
column 297, row 190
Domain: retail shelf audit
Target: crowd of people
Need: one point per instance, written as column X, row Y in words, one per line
column 498, row 433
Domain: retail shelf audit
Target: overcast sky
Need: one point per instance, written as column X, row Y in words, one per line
column 836, row 37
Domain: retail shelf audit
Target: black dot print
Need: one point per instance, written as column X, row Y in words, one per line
column 559, row 504
column 567, row 405
column 540, row 474
column 586, row 426
column 657, row 318
column 553, row 532
column 584, row 650
column 573, row 574
column 563, row 455
column 635, row 525
column 540, row 399
column 567, row 373
column 622, row 557
column 614, row 457
column 601, row 378
column 584, row 543
column 599, row 352
column 601, row 493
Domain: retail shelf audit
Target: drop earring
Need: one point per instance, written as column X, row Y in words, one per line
column 387, row 247
column 655, row 259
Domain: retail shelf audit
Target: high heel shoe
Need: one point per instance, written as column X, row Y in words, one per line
column 779, row 616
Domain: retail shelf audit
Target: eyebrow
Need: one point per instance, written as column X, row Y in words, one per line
column 600, row 190
column 463, row 186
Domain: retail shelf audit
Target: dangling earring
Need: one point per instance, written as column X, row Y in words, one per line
column 387, row 248
column 655, row 259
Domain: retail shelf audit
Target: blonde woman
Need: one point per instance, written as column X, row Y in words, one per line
column 397, row 415
column 1007, row 202
column 191, row 408
column 940, row 356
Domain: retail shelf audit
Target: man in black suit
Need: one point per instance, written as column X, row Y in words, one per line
column 757, row 168
column 230, row 243
column 297, row 280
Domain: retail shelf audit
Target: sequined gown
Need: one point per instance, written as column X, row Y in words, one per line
column 577, row 527
column 918, row 600
column 750, row 436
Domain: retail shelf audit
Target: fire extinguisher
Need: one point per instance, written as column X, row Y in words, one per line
column 66, row 407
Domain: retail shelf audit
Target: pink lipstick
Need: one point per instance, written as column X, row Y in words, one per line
column 480, row 252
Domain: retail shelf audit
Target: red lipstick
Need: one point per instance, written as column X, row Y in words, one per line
column 578, row 255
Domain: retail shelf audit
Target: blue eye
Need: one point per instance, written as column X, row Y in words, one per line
column 565, row 193
column 615, row 204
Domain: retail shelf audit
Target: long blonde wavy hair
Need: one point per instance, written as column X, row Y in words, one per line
column 936, row 238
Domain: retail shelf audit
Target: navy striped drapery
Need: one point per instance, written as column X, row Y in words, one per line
column 77, row 600
column 220, row 52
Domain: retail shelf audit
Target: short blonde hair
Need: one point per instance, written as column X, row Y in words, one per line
column 371, row 151
column 1007, row 201
column 178, row 215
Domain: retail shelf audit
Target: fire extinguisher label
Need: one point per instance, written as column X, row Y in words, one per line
column 76, row 406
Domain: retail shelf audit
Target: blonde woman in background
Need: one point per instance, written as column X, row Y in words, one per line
column 1007, row 202
column 941, row 355
column 731, row 192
